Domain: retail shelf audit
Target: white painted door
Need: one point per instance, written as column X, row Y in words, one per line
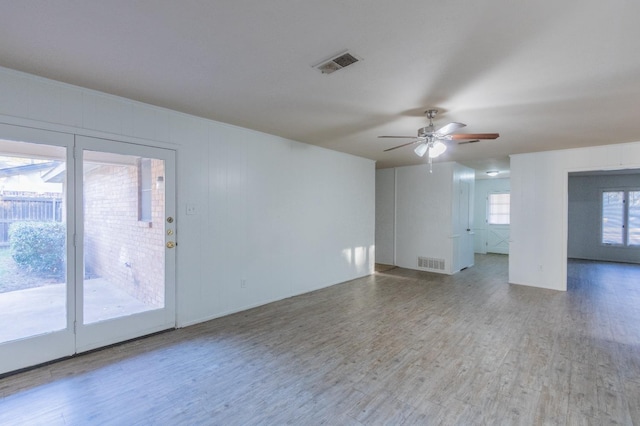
column 498, row 239
column 87, row 244
column 498, row 219
column 37, row 283
column 126, row 233
column 466, row 225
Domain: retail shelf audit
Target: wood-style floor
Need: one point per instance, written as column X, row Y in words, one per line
column 397, row 347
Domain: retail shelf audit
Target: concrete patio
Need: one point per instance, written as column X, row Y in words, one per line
column 41, row 310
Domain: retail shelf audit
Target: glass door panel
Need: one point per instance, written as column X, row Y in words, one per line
column 33, row 286
column 123, row 235
column 36, row 292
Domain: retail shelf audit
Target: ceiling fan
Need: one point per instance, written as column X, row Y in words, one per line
column 430, row 139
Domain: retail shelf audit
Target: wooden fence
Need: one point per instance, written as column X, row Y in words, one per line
column 16, row 209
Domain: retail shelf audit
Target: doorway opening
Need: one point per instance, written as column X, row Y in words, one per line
column 603, row 224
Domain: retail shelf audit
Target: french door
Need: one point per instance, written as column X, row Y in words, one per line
column 125, row 241
column 87, row 244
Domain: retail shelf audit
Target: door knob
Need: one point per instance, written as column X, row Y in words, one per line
column 171, row 244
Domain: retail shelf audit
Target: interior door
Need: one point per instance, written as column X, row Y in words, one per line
column 125, row 241
column 466, row 224
column 37, row 284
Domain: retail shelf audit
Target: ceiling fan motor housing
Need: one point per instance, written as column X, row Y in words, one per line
column 424, row 131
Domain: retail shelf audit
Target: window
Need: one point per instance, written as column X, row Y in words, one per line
column 499, row 209
column 633, row 238
column 621, row 218
column 144, row 190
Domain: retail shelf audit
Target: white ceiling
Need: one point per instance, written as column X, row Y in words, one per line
column 544, row 74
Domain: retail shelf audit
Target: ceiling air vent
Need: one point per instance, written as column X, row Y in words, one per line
column 337, row 63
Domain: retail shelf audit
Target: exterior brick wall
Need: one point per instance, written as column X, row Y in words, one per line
column 118, row 247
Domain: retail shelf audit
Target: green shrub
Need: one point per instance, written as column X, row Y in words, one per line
column 38, row 247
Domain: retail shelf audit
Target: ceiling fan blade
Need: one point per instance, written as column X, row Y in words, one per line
column 464, row 136
column 404, row 144
column 449, row 128
column 398, row 137
column 471, row 141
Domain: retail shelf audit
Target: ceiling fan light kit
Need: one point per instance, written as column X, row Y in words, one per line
column 431, row 140
column 421, row 149
column 437, row 149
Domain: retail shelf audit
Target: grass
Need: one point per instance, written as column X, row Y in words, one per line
column 6, row 264
column 13, row 278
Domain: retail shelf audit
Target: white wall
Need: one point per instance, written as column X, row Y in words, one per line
column 585, row 215
column 385, row 216
column 484, row 187
column 426, row 218
column 423, row 214
column 539, row 204
column 284, row 216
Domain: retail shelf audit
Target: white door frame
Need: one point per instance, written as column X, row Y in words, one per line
column 94, row 335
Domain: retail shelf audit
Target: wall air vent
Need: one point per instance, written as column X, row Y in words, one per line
column 431, row 263
column 337, row 63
